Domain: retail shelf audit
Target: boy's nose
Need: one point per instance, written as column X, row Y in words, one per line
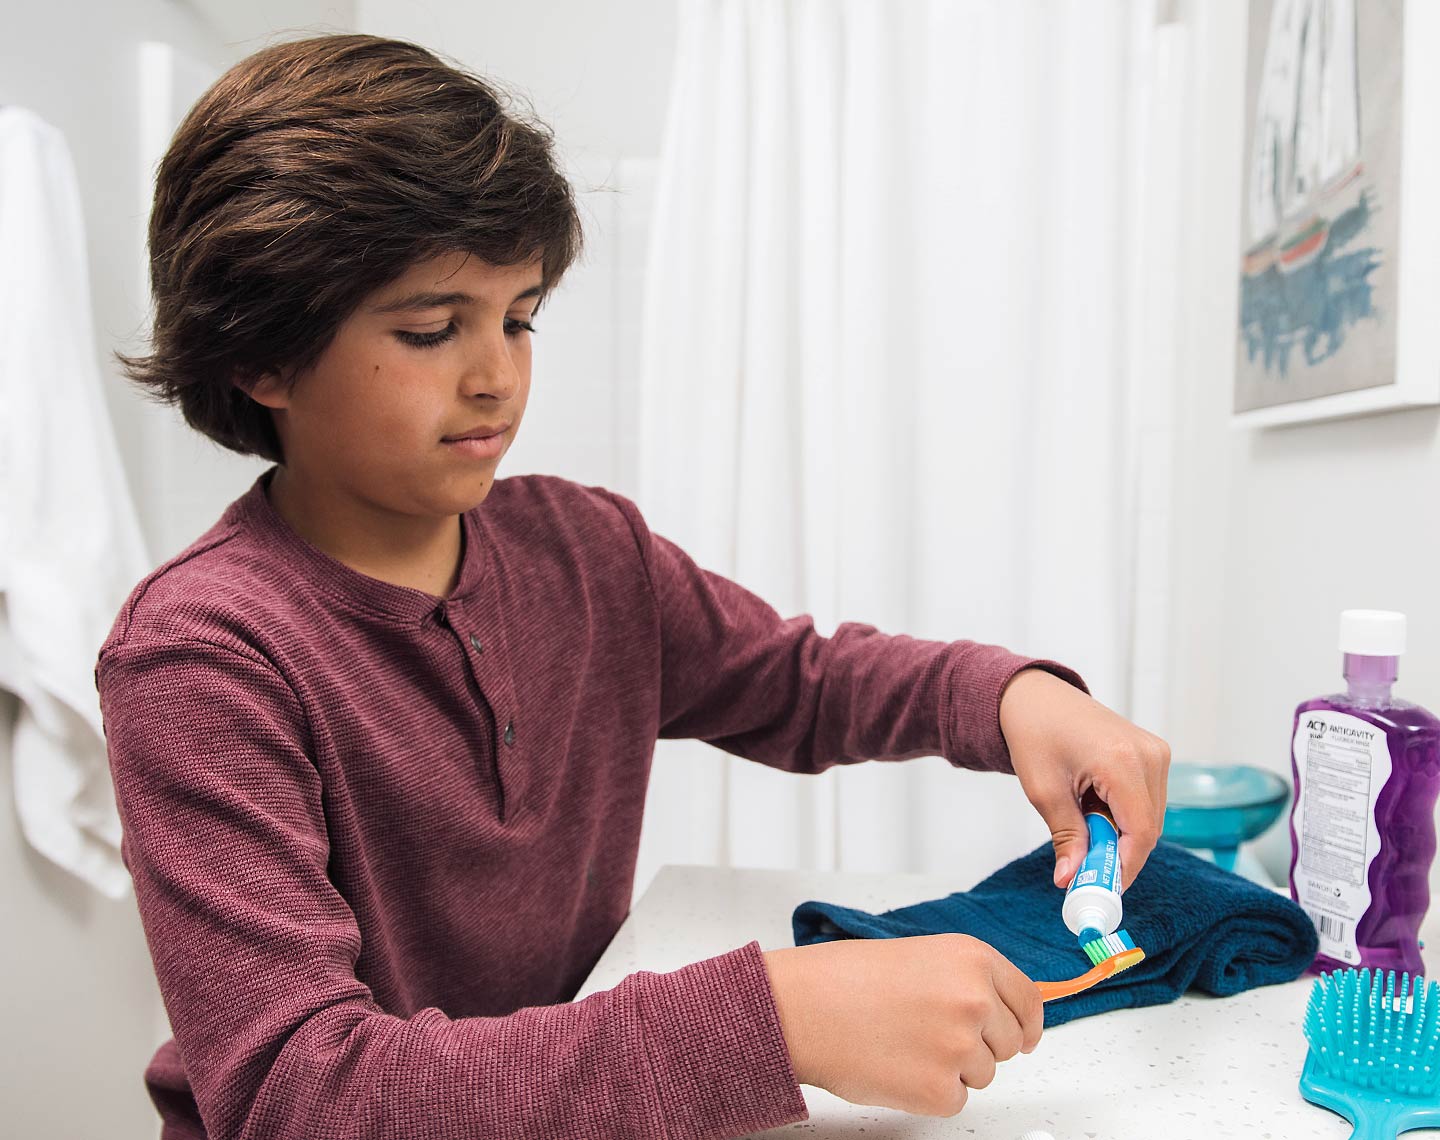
column 491, row 377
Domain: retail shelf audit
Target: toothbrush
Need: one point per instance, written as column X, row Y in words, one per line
column 1108, row 968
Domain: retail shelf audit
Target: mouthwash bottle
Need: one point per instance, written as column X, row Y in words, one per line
column 1362, row 827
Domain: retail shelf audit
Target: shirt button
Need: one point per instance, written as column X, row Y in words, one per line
column 510, row 733
column 475, row 644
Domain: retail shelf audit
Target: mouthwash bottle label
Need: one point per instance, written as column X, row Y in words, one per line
column 1342, row 762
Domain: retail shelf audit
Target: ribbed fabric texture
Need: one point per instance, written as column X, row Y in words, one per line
column 1200, row 926
column 376, row 837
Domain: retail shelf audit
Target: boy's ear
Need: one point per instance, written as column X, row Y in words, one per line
column 268, row 389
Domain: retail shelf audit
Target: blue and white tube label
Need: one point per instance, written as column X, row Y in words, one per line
column 1102, row 861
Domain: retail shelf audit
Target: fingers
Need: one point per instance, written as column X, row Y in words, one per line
column 1062, row 815
column 1001, row 1039
column 882, row 1021
column 978, row 1062
column 941, row 1094
column 1135, row 794
column 978, row 1057
column 1013, row 1025
column 1061, row 742
column 1021, row 999
column 911, row 1023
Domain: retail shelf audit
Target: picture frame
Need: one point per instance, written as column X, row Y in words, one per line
column 1338, row 304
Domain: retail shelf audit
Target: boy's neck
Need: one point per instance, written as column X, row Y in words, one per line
column 404, row 550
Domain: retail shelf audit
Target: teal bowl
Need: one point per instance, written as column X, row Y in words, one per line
column 1219, row 807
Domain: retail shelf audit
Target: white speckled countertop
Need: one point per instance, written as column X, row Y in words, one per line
column 1198, row 1069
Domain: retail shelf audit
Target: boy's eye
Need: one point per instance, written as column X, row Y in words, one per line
column 428, row 340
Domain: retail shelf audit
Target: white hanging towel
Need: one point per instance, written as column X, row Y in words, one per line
column 70, row 543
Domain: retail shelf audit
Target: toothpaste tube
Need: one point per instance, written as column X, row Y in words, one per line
column 1092, row 906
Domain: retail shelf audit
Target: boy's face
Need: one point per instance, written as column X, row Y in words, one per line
column 378, row 418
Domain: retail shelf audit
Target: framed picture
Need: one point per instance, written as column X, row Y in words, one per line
column 1340, row 230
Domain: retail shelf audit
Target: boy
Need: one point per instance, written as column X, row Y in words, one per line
column 380, row 738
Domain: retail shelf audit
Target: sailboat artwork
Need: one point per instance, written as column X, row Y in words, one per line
column 1318, row 280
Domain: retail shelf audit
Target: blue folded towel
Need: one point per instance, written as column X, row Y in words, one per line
column 1199, row 926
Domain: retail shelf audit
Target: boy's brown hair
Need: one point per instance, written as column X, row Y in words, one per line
column 309, row 175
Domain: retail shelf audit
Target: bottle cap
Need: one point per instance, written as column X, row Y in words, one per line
column 1372, row 633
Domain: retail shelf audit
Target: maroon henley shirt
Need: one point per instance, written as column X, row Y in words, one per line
column 379, row 838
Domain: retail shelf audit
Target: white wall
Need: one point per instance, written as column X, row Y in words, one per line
column 81, row 1011
column 1256, row 597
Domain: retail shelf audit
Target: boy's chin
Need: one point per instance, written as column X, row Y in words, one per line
column 472, row 494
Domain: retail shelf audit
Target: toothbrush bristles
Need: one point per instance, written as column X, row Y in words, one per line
column 1107, row 947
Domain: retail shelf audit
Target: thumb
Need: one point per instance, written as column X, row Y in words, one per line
column 1070, row 838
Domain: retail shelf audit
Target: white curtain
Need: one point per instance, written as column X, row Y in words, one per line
column 904, row 361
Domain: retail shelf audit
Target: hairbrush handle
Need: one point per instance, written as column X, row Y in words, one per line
column 1370, row 1112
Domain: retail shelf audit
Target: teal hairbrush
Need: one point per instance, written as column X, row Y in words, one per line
column 1373, row 1051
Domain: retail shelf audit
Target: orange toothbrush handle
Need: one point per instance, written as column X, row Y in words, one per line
column 1049, row 991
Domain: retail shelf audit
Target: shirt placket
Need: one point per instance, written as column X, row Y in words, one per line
column 477, row 629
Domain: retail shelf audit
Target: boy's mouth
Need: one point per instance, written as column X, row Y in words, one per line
column 485, row 443
column 483, row 432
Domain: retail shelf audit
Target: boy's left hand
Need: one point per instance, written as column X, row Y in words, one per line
column 1062, row 742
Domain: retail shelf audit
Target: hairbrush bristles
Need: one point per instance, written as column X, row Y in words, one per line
column 1108, row 946
column 1366, row 1033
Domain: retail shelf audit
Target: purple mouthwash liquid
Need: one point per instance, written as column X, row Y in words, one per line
column 1362, row 827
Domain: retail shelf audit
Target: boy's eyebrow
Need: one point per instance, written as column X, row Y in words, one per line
column 429, row 299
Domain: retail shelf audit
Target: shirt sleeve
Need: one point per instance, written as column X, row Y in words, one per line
column 255, row 952
column 738, row 676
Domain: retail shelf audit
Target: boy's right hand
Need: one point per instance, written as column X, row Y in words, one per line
column 908, row 1023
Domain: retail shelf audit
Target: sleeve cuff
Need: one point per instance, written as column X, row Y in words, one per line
column 716, row 1048
column 970, row 733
